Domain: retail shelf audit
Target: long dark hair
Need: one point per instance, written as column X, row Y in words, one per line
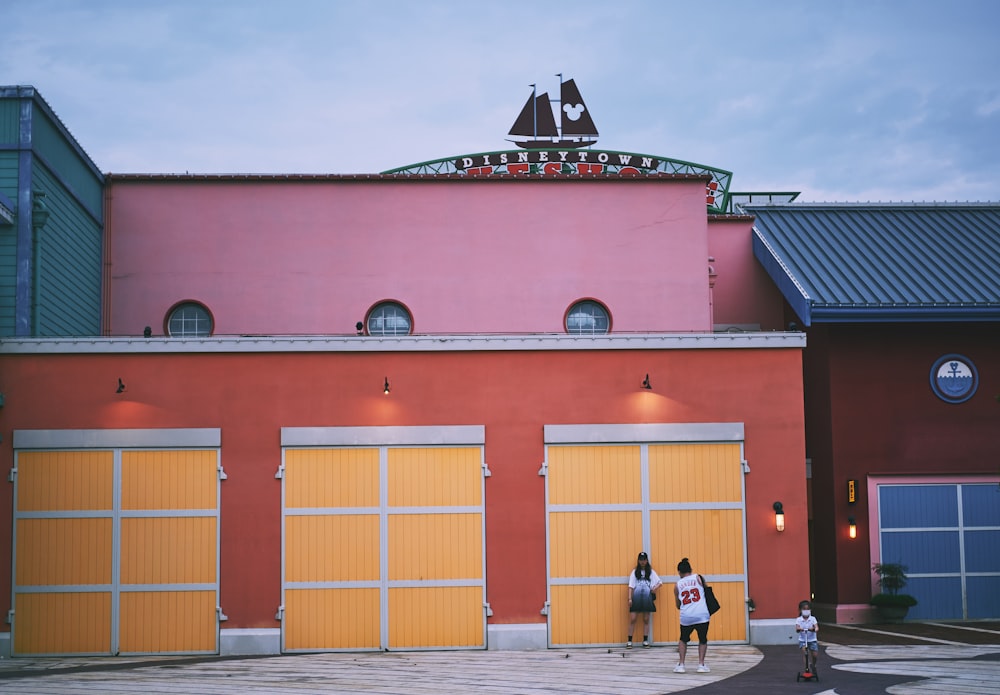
column 640, row 570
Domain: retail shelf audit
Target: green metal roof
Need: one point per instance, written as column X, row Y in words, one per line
column 885, row 262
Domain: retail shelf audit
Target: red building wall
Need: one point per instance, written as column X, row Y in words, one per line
column 871, row 411
column 514, row 393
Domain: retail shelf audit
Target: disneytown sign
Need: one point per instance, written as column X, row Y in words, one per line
column 556, row 149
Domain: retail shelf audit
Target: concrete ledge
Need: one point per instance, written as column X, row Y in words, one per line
column 4, row 645
column 244, row 641
column 517, row 636
column 844, row 613
column 773, row 631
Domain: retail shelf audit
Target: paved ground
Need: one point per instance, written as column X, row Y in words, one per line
column 908, row 659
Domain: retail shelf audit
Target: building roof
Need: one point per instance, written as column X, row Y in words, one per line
column 885, row 262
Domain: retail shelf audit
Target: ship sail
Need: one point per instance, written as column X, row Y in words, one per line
column 535, row 127
column 535, row 119
column 576, row 120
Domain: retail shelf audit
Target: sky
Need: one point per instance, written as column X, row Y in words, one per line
column 846, row 100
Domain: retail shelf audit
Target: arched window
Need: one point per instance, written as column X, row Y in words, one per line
column 587, row 318
column 389, row 318
column 189, row 320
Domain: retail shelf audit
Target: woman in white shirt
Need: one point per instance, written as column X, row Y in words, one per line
column 642, row 585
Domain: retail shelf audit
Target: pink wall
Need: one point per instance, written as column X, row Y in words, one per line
column 312, row 256
column 743, row 293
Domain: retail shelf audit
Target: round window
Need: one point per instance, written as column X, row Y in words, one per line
column 189, row 320
column 587, row 318
column 389, row 318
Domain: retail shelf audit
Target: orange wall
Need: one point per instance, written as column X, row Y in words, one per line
column 513, row 393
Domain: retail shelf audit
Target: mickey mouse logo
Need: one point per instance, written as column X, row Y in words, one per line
column 573, row 111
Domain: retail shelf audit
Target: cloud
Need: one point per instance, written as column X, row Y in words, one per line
column 840, row 101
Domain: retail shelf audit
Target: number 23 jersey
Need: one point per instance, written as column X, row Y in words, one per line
column 691, row 594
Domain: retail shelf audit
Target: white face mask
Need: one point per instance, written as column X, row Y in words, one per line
column 806, row 612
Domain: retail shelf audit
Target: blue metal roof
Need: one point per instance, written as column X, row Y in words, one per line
column 885, row 262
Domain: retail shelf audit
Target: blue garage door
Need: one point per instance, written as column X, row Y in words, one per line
column 948, row 535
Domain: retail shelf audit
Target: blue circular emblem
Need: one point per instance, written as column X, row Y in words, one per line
column 954, row 378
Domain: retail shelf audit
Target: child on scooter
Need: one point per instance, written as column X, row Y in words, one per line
column 807, row 627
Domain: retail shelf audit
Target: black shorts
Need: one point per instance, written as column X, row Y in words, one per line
column 700, row 628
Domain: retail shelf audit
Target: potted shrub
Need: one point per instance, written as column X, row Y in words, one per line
column 890, row 604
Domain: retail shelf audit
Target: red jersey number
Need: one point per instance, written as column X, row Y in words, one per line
column 690, row 596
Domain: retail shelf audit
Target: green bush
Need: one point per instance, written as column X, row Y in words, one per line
column 891, row 578
column 893, row 600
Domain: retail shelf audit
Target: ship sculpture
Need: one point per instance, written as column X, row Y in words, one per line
column 535, row 127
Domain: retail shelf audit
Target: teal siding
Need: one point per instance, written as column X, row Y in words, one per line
column 8, row 240
column 65, row 285
column 69, row 301
column 61, row 156
column 9, row 109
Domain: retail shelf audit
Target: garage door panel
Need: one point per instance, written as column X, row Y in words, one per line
column 730, row 623
column 428, row 617
column 695, row 473
column 984, row 597
column 597, row 475
column 329, row 548
column 982, row 550
column 168, row 550
column 317, row 619
column 54, row 552
column 175, row 479
column 331, row 478
column 64, row 480
column 434, row 477
column 603, row 621
column 414, row 538
column 945, row 533
column 593, row 544
column 684, row 533
column 435, row 546
column 167, row 622
column 115, row 519
column 684, row 500
column 62, row 623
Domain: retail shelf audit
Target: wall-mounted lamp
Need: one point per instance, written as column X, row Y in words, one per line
column 385, row 387
column 147, row 332
column 646, row 384
column 39, row 210
column 779, row 516
column 121, row 386
column 852, row 527
column 360, row 328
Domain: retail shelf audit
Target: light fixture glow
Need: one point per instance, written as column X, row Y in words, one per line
column 646, row 384
column 385, row 388
column 852, row 527
column 779, row 516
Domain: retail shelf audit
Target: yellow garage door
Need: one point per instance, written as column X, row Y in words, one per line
column 115, row 549
column 612, row 490
column 383, row 543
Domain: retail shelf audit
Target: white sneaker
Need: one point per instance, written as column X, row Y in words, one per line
column 704, row 669
column 679, row 668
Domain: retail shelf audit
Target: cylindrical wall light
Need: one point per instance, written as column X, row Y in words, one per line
column 852, row 527
column 385, row 386
column 779, row 516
